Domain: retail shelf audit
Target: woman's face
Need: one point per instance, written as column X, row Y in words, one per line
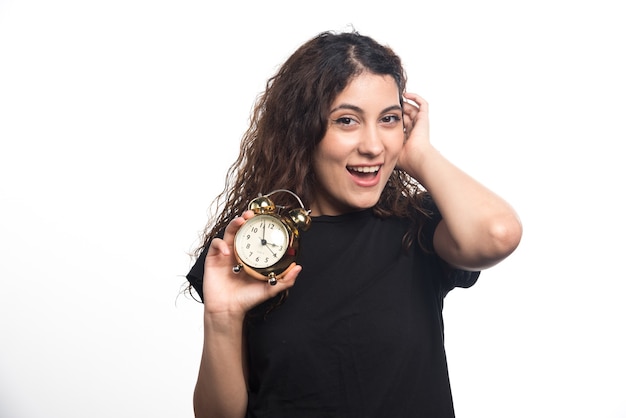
column 362, row 144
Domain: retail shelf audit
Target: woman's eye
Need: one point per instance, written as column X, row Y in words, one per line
column 345, row 121
column 390, row 119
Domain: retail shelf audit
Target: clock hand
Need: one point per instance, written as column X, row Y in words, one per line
column 263, row 240
column 265, row 244
column 273, row 245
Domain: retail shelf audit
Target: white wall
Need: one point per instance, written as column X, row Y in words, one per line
column 118, row 120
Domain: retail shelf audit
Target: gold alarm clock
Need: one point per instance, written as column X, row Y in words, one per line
column 267, row 244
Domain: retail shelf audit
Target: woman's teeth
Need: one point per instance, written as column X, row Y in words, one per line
column 365, row 170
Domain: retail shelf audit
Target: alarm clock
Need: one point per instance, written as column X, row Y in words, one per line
column 267, row 244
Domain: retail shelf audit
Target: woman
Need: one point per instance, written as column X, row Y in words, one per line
column 395, row 226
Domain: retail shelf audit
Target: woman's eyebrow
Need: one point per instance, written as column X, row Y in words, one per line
column 390, row 108
column 348, row 107
column 361, row 111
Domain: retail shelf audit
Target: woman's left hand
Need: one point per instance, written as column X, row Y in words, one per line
column 417, row 134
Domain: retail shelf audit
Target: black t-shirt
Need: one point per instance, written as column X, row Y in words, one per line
column 360, row 333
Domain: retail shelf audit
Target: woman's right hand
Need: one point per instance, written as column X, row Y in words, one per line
column 226, row 292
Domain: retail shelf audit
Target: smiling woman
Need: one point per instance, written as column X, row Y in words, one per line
column 395, row 227
column 360, row 149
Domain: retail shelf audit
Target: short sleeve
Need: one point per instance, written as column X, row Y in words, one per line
column 196, row 274
column 463, row 278
column 433, row 217
column 453, row 277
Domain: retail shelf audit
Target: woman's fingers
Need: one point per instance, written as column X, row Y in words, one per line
column 421, row 103
column 415, row 109
column 290, row 276
column 414, row 106
column 234, row 225
column 218, row 247
column 410, row 111
column 286, row 281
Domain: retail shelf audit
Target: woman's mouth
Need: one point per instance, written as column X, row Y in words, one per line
column 361, row 170
column 364, row 173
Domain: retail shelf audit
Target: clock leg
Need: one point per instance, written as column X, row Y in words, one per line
column 271, row 279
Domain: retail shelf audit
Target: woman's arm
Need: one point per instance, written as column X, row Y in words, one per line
column 478, row 228
column 221, row 388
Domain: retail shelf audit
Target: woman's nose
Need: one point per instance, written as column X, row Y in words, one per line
column 370, row 142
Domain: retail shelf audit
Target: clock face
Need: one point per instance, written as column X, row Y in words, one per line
column 262, row 241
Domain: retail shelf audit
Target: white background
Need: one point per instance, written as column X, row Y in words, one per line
column 118, row 120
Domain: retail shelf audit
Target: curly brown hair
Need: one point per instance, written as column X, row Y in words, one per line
column 291, row 117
